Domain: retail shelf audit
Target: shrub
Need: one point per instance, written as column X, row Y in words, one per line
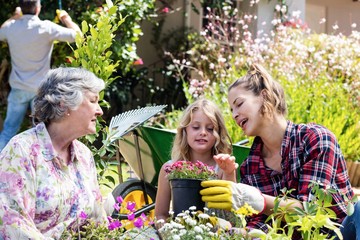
column 319, row 72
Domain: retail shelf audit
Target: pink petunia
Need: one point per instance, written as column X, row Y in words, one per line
column 114, row 225
column 138, row 223
column 130, row 206
column 131, row 216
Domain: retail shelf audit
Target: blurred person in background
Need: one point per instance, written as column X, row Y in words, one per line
column 30, row 42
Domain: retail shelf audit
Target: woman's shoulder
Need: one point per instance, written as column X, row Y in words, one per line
column 311, row 130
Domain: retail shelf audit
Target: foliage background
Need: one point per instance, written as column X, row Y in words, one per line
column 319, row 72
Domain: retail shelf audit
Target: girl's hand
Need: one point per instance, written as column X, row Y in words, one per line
column 226, row 162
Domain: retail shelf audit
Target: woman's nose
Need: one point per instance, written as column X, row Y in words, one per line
column 234, row 115
column 99, row 111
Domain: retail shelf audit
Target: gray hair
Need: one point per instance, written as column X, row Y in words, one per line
column 63, row 90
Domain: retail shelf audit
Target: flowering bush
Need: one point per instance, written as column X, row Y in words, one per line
column 319, row 72
column 187, row 169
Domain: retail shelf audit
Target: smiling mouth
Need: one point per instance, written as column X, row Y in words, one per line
column 243, row 122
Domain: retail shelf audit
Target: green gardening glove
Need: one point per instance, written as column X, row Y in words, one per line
column 228, row 195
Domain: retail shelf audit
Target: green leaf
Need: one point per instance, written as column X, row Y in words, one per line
column 350, row 209
column 112, row 10
column 84, row 27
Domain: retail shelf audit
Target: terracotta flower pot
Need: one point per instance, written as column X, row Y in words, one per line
column 185, row 194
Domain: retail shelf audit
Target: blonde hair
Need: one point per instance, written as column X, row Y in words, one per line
column 259, row 81
column 181, row 148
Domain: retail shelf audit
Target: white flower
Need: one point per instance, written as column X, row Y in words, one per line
column 192, row 208
column 203, row 216
column 296, row 14
column 198, row 229
column 176, row 237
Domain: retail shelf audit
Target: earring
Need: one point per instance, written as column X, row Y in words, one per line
column 68, row 114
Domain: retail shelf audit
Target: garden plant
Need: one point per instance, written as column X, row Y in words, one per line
column 319, row 72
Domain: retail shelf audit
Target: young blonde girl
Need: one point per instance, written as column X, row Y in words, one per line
column 202, row 136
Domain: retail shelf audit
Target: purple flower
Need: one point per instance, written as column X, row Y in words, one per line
column 130, row 206
column 119, row 199
column 83, row 215
column 138, row 223
column 114, row 225
column 117, row 207
column 131, row 216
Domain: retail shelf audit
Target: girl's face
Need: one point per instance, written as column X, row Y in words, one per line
column 200, row 135
column 245, row 107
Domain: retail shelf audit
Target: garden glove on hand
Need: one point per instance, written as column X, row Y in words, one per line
column 228, row 195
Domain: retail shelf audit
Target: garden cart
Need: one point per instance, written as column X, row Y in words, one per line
column 146, row 149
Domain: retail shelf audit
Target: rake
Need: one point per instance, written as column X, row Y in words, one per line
column 123, row 123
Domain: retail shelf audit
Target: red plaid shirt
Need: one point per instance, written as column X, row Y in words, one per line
column 310, row 152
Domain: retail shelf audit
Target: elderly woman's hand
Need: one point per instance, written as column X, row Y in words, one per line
column 226, row 162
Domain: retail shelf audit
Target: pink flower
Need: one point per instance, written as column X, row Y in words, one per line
column 131, row 216
column 119, row 199
column 130, row 206
column 138, row 62
column 138, row 223
column 117, row 207
column 83, row 215
column 114, row 225
column 165, row 10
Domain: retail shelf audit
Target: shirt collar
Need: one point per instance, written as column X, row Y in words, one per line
column 47, row 148
column 285, row 145
column 30, row 16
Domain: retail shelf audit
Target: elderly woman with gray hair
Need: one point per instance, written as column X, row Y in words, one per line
column 47, row 177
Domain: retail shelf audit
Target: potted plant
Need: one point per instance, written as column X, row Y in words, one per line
column 185, row 180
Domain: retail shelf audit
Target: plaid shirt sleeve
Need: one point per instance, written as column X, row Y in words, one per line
column 325, row 164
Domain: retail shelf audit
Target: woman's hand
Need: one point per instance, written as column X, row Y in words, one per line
column 226, row 162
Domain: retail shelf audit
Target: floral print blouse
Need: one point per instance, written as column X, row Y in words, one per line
column 39, row 196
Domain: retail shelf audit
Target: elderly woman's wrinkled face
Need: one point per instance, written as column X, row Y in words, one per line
column 84, row 118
